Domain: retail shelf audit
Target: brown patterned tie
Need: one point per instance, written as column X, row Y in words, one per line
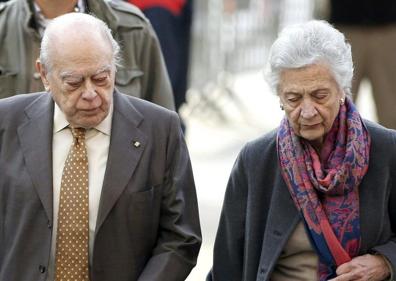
column 71, row 259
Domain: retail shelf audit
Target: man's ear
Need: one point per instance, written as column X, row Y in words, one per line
column 43, row 74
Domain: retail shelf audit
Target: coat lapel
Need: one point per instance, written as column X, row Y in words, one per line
column 371, row 198
column 282, row 219
column 127, row 144
column 35, row 137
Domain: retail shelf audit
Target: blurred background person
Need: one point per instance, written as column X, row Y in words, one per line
column 141, row 71
column 171, row 19
column 370, row 27
column 300, row 199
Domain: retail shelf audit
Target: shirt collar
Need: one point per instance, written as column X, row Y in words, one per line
column 60, row 121
column 42, row 21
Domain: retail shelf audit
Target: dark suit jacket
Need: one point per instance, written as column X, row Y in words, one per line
column 259, row 215
column 147, row 226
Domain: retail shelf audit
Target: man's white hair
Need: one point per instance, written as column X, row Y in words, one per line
column 74, row 21
column 313, row 42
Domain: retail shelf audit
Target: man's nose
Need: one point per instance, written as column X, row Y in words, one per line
column 308, row 109
column 89, row 91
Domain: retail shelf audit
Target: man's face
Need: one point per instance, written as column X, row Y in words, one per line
column 81, row 81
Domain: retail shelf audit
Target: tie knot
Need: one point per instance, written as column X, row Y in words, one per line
column 78, row 133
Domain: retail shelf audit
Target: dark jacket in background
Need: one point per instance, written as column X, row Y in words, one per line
column 370, row 27
column 363, row 12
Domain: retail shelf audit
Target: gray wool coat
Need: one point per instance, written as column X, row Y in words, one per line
column 259, row 215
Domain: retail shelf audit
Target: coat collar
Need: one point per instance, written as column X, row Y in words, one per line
column 282, row 220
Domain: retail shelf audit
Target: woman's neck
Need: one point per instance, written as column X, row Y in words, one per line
column 317, row 145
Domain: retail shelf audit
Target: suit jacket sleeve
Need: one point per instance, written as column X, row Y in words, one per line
column 179, row 237
column 389, row 249
column 229, row 244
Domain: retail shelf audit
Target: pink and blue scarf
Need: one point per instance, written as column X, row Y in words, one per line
column 324, row 187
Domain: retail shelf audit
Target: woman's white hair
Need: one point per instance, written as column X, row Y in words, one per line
column 313, row 42
column 75, row 21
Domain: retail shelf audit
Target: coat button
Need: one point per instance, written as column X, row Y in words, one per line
column 41, row 268
column 263, row 270
column 49, row 225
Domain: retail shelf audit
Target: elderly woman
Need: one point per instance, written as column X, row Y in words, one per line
column 316, row 198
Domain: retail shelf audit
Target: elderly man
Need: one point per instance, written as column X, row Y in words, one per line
column 95, row 185
column 141, row 71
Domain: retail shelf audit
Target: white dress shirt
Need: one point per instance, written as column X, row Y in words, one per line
column 97, row 144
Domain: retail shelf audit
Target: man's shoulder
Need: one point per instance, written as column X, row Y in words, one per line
column 11, row 6
column 124, row 7
column 6, row 11
column 14, row 109
column 146, row 108
column 3, row 5
column 127, row 14
column 19, row 100
column 151, row 118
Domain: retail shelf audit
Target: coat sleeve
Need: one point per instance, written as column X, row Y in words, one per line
column 179, row 236
column 228, row 254
column 389, row 249
column 142, row 60
column 155, row 81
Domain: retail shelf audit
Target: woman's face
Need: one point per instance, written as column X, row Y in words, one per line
column 311, row 99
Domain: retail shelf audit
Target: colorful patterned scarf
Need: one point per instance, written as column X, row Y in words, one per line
column 325, row 188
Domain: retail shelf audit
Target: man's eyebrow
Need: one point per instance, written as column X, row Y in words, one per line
column 67, row 74
column 105, row 68
column 73, row 74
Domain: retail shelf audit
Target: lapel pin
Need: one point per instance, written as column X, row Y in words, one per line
column 136, row 144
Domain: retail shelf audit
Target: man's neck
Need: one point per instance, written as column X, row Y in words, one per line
column 54, row 8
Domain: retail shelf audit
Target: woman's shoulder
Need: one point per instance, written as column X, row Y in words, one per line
column 383, row 145
column 380, row 134
column 263, row 147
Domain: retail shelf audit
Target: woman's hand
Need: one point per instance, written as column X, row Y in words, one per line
column 363, row 268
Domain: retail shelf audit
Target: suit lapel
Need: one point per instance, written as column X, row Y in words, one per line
column 282, row 219
column 127, row 144
column 35, row 137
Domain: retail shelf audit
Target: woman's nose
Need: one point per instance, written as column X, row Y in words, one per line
column 308, row 110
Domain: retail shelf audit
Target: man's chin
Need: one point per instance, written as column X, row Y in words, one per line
column 88, row 122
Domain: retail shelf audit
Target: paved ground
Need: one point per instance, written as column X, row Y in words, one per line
column 215, row 139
